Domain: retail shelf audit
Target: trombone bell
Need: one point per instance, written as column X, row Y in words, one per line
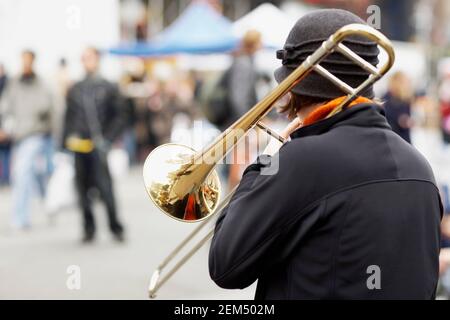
column 168, row 180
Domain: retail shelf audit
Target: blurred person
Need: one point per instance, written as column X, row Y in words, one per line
column 133, row 89
column 242, row 95
column 3, row 78
column 243, row 76
column 423, row 109
column 129, row 135
column 444, row 257
column 63, row 80
column 62, row 84
column 227, row 97
column 158, row 116
column 198, row 82
column 179, row 95
column 444, row 264
column 353, row 211
column 397, row 104
column 94, row 119
column 168, row 98
column 26, row 113
column 136, row 87
column 444, row 100
column 5, row 143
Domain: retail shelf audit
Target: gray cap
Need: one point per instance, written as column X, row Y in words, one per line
column 307, row 35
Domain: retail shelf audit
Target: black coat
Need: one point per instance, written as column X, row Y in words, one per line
column 350, row 195
column 95, row 108
column 395, row 109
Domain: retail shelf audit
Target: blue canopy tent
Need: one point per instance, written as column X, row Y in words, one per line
column 139, row 49
column 199, row 30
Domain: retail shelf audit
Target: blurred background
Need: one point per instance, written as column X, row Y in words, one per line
column 78, row 226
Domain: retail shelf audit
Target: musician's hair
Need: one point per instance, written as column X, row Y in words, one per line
column 297, row 102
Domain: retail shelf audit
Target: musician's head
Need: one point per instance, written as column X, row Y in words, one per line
column 306, row 36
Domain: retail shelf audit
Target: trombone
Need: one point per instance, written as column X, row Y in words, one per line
column 183, row 184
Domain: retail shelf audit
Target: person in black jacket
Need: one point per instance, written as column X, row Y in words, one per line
column 95, row 117
column 397, row 105
column 353, row 211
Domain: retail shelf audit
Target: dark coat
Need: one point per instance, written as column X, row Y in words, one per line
column 95, row 106
column 395, row 109
column 241, row 85
column 350, row 195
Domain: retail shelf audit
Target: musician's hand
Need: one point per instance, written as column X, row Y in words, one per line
column 275, row 145
column 291, row 127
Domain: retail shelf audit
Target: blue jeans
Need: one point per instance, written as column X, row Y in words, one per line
column 5, row 151
column 30, row 170
column 129, row 142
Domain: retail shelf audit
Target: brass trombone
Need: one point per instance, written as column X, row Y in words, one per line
column 183, row 183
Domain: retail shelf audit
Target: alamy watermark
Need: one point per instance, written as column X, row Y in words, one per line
column 241, row 146
column 374, row 280
column 73, row 281
column 73, row 14
column 374, row 18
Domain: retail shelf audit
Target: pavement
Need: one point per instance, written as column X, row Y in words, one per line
column 39, row 263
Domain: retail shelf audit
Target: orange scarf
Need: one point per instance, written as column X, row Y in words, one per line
column 323, row 111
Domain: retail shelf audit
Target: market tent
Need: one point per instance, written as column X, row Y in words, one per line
column 296, row 9
column 273, row 24
column 138, row 49
column 200, row 29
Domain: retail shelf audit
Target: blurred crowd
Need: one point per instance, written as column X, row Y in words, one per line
column 92, row 123
column 41, row 128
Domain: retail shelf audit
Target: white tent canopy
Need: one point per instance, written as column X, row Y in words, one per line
column 295, row 9
column 273, row 24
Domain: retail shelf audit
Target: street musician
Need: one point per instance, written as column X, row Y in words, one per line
column 353, row 211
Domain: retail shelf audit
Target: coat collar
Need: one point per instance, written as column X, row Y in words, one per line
column 362, row 115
